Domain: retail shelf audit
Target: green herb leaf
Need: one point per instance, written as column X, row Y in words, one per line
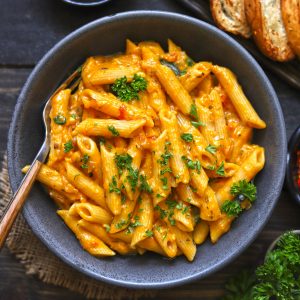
column 231, row 208
column 189, row 62
column 60, row 119
column 68, row 146
column 220, row 171
column 211, row 149
column 123, row 161
column 149, row 233
column 247, row 189
column 194, row 165
column 171, row 66
column 102, row 141
column 113, row 186
column 107, row 227
column 113, row 130
column 144, row 185
column 164, row 181
column 166, row 170
column 171, row 203
column 162, row 213
column 121, row 224
column 84, row 161
column 123, row 199
column 197, row 124
column 187, row 137
column 129, row 91
column 138, row 83
column 193, row 112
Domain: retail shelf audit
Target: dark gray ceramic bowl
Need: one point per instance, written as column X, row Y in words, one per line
column 106, row 36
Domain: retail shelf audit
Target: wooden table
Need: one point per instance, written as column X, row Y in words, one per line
column 28, row 28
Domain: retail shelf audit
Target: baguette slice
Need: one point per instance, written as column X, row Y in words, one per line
column 230, row 16
column 264, row 17
column 291, row 19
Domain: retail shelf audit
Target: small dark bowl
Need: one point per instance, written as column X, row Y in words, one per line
column 107, row 36
column 291, row 167
column 86, row 3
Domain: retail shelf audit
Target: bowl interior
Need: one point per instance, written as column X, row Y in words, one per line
column 107, row 36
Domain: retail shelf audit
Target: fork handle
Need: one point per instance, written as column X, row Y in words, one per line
column 17, row 201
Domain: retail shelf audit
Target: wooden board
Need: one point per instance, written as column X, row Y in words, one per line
column 289, row 71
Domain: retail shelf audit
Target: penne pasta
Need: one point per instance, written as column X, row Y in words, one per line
column 151, row 152
column 109, row 127
column 239, row 100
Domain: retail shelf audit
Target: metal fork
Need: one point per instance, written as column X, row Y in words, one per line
column 16, row 202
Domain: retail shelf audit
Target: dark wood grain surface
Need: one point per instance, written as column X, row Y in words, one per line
column 28, row 28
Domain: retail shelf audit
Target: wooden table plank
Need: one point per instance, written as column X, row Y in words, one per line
column 29, row 28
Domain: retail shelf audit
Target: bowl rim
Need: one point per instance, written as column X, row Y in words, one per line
column 82, row 4
column 164, row 15
column 293, row 146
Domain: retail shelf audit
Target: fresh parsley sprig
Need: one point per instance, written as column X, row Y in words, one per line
column 277, row 278
column 126, row 91
column 247, row 189
column 241, row 190
column 231, row 208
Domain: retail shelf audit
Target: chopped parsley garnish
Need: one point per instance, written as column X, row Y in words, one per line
column 189, row 62
column 185, row 210
column 197, row 124
column 144, row 185
column 211, row 149
column 148, row 233
column 164, row 181
column 60, row 119
column 220, row 171
column 158, row 196
column 166, row 170
column 187, row 137
column 193, row 112
column 102, row 140
column 74, row 116
column 242, row 190
column 68, row 146
column 139, row 200
column 123, row 161
column 134, row 224
column 84, row 161
column 171, row 203
column 247, row 189
column 162, row 212
column 138, row 83
column 113, row 130
column 121, row 224
column 133, row 178
column 123, row 199
column 193, row 189
column 194, row 165
column 166, row 155
column 129, row 91
column 113, row 186
column 211, row 167
column 231, row 208
column 107, row 227
column 170, row 218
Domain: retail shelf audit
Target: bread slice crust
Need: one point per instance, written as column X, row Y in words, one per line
column 265, row 20
column 291, row 19
column 229, row 15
